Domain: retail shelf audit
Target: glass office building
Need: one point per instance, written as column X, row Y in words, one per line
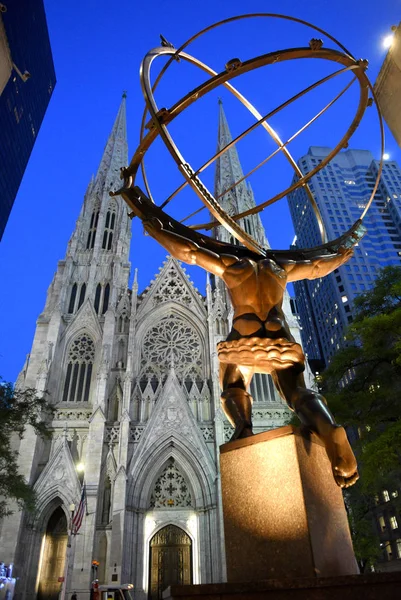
column 25, row 97
column 341, row 190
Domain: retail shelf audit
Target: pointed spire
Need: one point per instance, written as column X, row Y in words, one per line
column 228, row 171
column 229, row 161
column 135, row 283
column 116, row 150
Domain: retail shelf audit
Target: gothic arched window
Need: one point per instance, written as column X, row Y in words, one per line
column 106, row 296
column 79, row 369
column 106, row 501
column 92, row 229
column 81, row 296
column 72, row 299
column 97, row 297
column 108, row 229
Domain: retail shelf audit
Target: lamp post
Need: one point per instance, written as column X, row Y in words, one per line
column 68, row 552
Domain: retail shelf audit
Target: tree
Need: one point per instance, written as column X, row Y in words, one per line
column 363, row 387
column 19, row 408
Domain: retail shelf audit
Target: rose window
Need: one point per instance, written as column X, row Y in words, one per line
column 172, row 342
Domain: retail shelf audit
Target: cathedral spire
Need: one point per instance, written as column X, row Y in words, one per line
column 240, row 198
column 115, row 153
column 228, row 166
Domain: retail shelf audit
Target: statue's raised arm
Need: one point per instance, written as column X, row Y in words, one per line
column 184, row 249
column 318, row 267
column 174, row 236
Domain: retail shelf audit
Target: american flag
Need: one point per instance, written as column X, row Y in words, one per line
column 79, row 515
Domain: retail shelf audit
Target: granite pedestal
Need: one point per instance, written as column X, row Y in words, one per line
column 374, row 586
column 284, row 516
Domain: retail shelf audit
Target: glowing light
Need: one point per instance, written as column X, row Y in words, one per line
column 386, row 156
column 387, row 41
column 80, row 467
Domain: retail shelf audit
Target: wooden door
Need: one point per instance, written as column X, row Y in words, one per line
column 53, row 559
column 170, row 560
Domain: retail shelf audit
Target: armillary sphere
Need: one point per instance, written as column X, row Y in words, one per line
column 161, row 118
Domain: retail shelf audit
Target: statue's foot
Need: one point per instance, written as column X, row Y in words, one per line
column 343, row 462
column 241, row 431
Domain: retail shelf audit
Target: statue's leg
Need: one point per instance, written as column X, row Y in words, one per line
column 235, row 400
column 312, row 410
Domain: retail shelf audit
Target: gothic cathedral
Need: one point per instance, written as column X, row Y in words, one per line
column 133, row 378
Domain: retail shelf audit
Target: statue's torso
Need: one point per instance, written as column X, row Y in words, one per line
column 256, row 290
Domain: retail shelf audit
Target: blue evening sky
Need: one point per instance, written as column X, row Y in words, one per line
column 97, row 49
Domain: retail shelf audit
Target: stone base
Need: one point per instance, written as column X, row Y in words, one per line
column 374, row 586
column 284, row 516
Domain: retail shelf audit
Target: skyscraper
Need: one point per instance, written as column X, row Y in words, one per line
column 134, row 380
column 341, row 191
column 24, row 99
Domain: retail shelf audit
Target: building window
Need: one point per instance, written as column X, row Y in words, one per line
column 108, row 229
column 382, row 523
column 393, row 523
column 97, row 297
column 79, row 370
column 106, row 501
column 106, row 296
column 387, row 551
column 81, row 295
column 73, row 295
column 386, row 496
column 398, row 545
column 92, row 230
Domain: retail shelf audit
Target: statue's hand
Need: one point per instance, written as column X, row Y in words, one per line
column 152, row 226
column 345, row 253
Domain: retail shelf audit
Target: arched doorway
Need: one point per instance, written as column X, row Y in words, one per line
column 53, row 556
column 170, row 560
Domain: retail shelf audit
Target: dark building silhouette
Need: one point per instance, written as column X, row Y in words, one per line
column 27, row 83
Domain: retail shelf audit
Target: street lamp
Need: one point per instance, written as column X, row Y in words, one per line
column 387, row 41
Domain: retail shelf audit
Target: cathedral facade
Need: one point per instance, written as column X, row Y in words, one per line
column 133, row 378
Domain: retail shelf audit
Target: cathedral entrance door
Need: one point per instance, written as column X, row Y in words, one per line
column 53, row 556
column 170, row 560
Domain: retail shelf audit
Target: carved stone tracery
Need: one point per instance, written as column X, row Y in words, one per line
column 172, row 289
column 171, row 342
column 171, row 489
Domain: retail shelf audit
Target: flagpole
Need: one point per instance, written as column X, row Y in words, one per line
column 67, row 554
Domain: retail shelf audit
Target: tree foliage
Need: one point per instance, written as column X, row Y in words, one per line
column 19, row 409
column 363, row 387
column 363, row 382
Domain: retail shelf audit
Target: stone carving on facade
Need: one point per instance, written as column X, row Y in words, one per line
column 207, row 432
column 172, row 336
column 171, row 489
column 172, row 289
column 72, row 414
column 136, row 433
column 112, row 435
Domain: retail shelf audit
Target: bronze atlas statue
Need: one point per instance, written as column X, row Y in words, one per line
column 260, row 340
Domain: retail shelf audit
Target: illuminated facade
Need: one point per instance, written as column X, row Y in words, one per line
column 134, row 380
